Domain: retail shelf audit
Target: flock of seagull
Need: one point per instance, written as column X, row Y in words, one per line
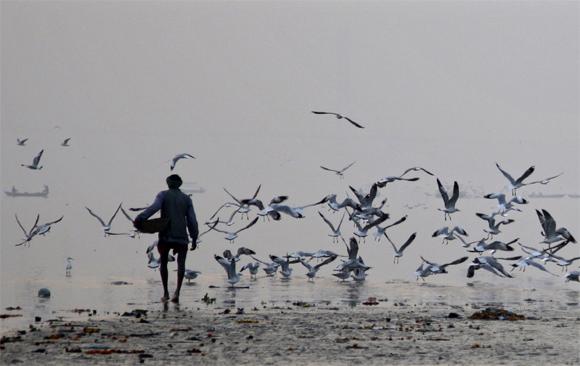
column 365, row 215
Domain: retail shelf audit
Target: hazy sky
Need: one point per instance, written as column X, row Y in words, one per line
column 452, row 86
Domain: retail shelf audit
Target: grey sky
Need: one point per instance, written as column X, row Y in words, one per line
column 452, row 86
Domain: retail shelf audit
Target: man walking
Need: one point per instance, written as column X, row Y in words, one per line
column 177, row 207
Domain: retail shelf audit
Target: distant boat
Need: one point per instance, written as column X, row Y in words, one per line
column 543, row 195
column 574, row 195
column 15, row 193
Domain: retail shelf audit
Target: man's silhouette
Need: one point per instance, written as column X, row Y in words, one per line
column 178, row 208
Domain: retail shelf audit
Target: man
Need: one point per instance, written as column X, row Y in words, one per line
column 178, row 208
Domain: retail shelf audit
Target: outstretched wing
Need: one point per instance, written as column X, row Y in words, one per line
column 443, row 192
column 325, row 262
column 249, row 225
column 346, row 167
column 352, row 249
column 327, row 222
column 545, row 181
column 457, row 261
column 257, row 191
column 96, row 216
column 550, row 223
column 20, row 224
column 506, row 174
column 126, row 214
column 115, row 214
column 318, row 112
column 328, row 169
column 526, row 174
column 54, row 222
column 408, row 242
column 353, row 122
column 36, row 159
column 232, row 196
column 455, row 195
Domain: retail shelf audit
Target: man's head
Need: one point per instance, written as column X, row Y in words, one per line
column 174, row 181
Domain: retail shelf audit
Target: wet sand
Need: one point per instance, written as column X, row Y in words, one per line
column 293, row 332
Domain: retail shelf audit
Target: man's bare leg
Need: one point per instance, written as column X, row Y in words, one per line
column 181, row 256
column 164, row 254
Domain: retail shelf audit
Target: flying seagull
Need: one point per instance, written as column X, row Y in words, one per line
column 339, row 116
column 335, row 230
column 232, row 235
column 65, row 142
column 28, row 235
column 518, row 183
column 449, row 202
column 399, row 252
column 106, row 226
column 21, row 142
column 178, row 157
column 35, row 162
column 339, row 172
column 550, row 233
column 389, row 179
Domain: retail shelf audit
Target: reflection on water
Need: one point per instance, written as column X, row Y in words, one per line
column 87, row 293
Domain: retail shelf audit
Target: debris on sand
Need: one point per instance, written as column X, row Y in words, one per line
column 496, row 314
column 371, row 301
column 4, row 316
column 208, row 300
column 137, row 313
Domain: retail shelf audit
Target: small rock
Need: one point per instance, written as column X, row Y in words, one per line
column 44, row 293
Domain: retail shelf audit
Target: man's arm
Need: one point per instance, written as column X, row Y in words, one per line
column 192, row 224
column 151, row 210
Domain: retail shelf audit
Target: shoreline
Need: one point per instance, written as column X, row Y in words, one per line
column 305, row 333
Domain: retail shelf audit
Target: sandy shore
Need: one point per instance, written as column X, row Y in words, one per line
column 298, row 333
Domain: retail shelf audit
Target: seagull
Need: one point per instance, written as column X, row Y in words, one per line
column 28, row 235
column 353, row 259
column 550, row 233
column 382, row 230
column 153, row 262
column 518, row 183
column 65, row 142
column 560, row 261
column 335, row 231
column 506, row 206
column 295, row 212
column 266, row 211
column 230, row 266
column 343, row 274
column 434, row 268
column 390, row 179
column 339, row 116
column 359, row 274
column 449, row 202
column 366, row 200
column 35, row 162
column 335, row 206
column 178, row 157
column 68, row 266
column 244, row 208
column 232, row 235
column 494, row 246
column 522, row 264
column 362, row 231
column 490, row 264
column 493, row 226
column 448, row 234
column 107, row 226
column 313, row 269
column 21, row 142
column 339, row 172
column 270, row 268
column 45, row 228
column 212, row 226
column 399, row 252
column 572, row 276
column 285, row 269
column 253, row 267
column 191, row 275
